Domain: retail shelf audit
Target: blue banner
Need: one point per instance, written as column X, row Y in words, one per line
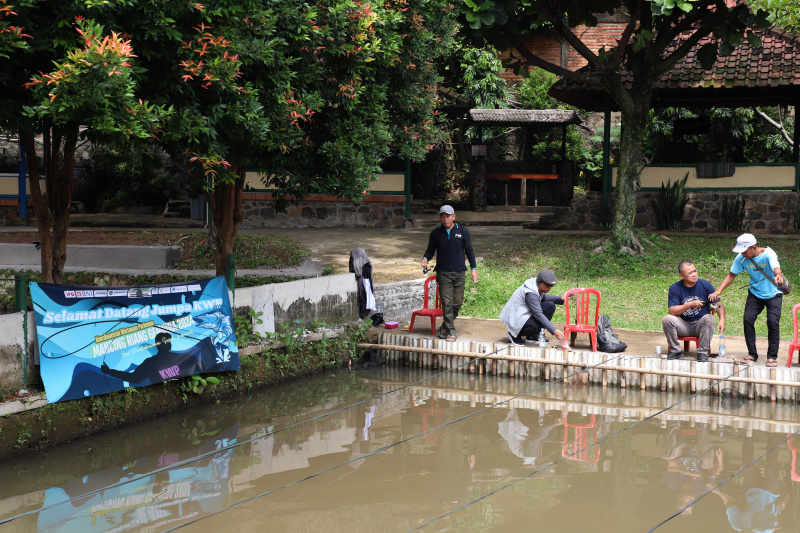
column 96, row 340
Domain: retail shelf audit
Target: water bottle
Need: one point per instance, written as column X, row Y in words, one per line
column 722, row 345
column 541, row 338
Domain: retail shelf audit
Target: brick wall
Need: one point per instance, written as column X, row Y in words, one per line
column 549, row 48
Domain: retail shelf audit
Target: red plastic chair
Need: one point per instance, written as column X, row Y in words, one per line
column 794, row 450
column 580, row 448
column 585, row 314
column 688, row 338
column 795, row 344
column 431, row 312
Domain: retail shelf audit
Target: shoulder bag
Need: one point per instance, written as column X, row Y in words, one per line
column 785, row 287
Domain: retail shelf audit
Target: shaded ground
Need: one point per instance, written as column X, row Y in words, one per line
column 395, row 253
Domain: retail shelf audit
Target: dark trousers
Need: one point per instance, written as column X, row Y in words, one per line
column 451, row 292
column 532, row 327
column 752, row 308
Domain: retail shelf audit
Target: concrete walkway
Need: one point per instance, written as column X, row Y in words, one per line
column 639, row 342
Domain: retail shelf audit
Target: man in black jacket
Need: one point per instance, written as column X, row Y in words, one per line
column 451, row 243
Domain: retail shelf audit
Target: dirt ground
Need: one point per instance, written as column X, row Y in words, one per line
column 395, row 253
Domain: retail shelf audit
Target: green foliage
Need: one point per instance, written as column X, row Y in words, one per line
column 732, row 214
column 670, row 204
column 738, row 135
column 533, row 90
column 244, row 327
column 783, row 13
column 93, row 86
column 481, row 74
column 122, row 175
column 197, row 384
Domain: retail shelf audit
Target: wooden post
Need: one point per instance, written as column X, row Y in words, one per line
column 642, row 377
column 692, row 384
column 512, row 365
column 473, row 347
column 715, row 386
column 664, row 369
column 605, row 375
column 494, row 361
column 773, row 390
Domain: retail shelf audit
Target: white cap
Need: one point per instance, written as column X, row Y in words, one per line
column 447, row 209
column 745, row 241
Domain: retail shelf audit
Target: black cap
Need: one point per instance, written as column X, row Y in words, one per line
column 547, row 277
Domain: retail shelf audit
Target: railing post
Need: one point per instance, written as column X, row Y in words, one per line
column 20, row 293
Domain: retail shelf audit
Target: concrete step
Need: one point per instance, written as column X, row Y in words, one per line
column 531, row 220
column 14, row 255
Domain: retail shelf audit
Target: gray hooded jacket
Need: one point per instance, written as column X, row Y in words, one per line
column 526, row 303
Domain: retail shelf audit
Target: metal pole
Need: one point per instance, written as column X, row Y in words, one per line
column 407, row 187
column 21, row 293
column 21, row 304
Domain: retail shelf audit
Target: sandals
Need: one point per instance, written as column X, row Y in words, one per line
column 442, row 333
column 452, row 338
column 748, row 359
column 772, row 363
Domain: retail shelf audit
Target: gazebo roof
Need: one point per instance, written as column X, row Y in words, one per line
column 768, row 75
column 523, row 117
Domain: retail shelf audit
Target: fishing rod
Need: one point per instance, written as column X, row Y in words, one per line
column 564, row 458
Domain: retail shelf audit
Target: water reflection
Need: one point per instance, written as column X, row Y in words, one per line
column 458, row 452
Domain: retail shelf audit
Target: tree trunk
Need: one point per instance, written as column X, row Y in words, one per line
column 225, row 204
column 635, row 112
column 52, row 208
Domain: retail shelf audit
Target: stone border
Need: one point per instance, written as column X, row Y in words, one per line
column 766, row 210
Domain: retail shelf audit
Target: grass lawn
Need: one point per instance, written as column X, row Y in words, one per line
column 634, row 289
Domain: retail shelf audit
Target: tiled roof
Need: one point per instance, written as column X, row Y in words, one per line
column 750, row 76
column 523, row 117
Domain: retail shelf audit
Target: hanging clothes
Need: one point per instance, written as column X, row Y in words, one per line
column 362, row 268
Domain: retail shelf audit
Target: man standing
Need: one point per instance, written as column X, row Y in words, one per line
column 689, row 313
column 530, row 309
column 765, row 271
column 451, row 243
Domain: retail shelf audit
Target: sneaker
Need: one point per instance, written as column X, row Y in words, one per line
column 702, row 358
column 533, row 340
column 516, row 341
column 674, row 355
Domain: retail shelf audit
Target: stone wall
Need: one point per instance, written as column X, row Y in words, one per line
column 398, row 300
column 260, row 213
column 767, row 211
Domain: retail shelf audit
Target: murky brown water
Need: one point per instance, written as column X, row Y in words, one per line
column 454, row 452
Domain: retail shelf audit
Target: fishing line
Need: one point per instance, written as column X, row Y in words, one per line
column 388, row 446
column 745, row 467
column 495, row 491
column 247, row 441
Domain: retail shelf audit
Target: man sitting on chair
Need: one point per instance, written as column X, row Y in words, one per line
column 530, row 309
column 689, row 313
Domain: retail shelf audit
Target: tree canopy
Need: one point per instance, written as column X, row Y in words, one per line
column 628, row 72
column 314, row 95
